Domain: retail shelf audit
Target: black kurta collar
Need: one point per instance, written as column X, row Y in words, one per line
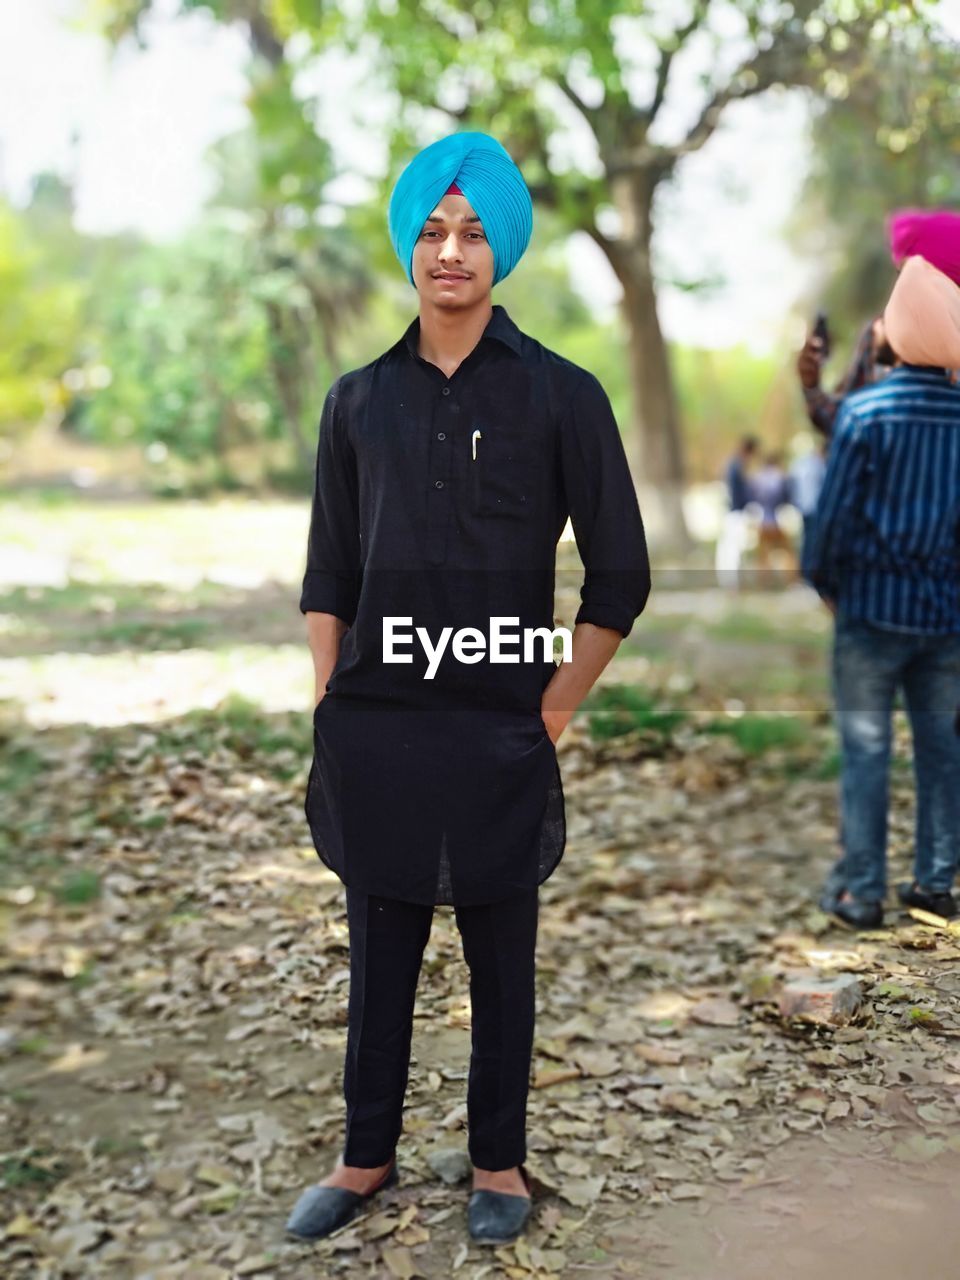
column 499, row 326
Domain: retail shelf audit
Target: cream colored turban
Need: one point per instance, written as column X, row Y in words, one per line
column 922, row 316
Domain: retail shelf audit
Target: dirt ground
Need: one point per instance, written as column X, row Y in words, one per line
column 175, row 977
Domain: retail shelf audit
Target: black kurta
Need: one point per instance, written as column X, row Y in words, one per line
column 442, row 500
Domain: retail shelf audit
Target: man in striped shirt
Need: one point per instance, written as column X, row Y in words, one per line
column 885, row 557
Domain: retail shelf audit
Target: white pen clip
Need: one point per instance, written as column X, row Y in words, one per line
column 473, row 445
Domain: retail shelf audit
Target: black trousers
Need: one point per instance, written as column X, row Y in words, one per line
column 387, row 940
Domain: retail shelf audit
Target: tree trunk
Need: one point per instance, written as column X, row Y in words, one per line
column 657, row 453
column 659, row 446
column 285, row 366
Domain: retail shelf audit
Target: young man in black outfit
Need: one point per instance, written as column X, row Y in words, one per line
column 446, row 470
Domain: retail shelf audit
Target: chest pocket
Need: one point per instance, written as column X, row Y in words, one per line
column 503, row 469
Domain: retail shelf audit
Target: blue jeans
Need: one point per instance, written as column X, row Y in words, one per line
column 869, row 665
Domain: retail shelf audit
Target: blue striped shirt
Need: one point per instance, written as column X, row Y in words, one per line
column 885, row 543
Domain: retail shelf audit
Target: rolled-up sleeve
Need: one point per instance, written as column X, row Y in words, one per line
column 604, row 512
column 331, row 583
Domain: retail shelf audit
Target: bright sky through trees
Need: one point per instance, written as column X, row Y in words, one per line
column 132, row 133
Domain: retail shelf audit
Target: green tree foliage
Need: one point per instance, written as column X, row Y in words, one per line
column 182, row 329
column 42, row 299
column 302, row 281
column 880, row 143
column 310, row 280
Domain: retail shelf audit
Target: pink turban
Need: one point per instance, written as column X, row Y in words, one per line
column 922, row 316
column 934, row 234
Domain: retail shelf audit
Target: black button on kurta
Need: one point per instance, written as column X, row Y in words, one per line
column 445, row 513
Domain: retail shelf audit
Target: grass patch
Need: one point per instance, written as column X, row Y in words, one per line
column 183, row 633
column 756, row 735
column 78, row 888
column 245, row 729
column 748, row 628
column 150, row 821
column 20, row 766
column 615, row 710
column 104, row 754
column 84, row 977
column 32, row 1045
column 742, row 628
column 110, row 600
column 828, row 767
column 34, row 1167
column 793, row 678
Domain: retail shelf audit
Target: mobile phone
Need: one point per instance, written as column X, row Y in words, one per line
column 821, row 330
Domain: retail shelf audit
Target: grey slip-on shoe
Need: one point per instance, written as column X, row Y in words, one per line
column 497, row 1217
column 322, row 1210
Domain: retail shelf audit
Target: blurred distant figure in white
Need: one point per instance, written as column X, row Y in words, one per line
column 806, row 480
column 770, row 492
column 732, row 541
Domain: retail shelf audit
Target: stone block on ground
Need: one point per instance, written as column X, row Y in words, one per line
column 829, row 1000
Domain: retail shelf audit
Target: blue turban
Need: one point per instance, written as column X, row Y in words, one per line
column 486, row 175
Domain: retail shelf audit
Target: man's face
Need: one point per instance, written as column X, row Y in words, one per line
column 453, row 244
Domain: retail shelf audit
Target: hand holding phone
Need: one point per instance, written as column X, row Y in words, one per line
column 814, row 352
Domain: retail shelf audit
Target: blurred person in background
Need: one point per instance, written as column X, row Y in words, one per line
column 732, row 541
column 872, row 360
column 770, row 492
